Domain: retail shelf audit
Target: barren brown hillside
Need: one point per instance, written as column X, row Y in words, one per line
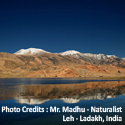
column 56, row 65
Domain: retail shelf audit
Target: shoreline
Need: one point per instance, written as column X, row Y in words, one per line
column 100, row 78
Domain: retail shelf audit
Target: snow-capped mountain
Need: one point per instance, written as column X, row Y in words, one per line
column 77, row 54
column 71, row 53
column 30, row 51
column 95, row 56
column 112, row 56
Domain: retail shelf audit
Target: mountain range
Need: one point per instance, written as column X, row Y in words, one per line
column 35, row 62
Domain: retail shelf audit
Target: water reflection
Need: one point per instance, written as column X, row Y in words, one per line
column 69, row 93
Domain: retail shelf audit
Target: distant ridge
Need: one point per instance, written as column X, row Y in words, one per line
column 72, row 53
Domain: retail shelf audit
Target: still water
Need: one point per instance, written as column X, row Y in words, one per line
column 62, row 101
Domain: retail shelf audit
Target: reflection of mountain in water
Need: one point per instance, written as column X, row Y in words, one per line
column 30, row 100
column 69, row 93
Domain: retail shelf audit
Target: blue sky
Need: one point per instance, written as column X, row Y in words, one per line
column 87, row 26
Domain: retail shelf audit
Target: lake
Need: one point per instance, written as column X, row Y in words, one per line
column 62, row 101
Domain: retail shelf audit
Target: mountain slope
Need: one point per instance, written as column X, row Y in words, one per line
column 97, row 59
column 39, row 63
column 30, row 51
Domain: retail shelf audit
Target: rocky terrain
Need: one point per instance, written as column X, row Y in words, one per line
column 40, row 63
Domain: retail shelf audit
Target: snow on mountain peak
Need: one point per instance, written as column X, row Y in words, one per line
column 69, row 52
column 77, row 54
column 96, row 56
column 113, row 56
column 30, row 51
column 72, row 53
